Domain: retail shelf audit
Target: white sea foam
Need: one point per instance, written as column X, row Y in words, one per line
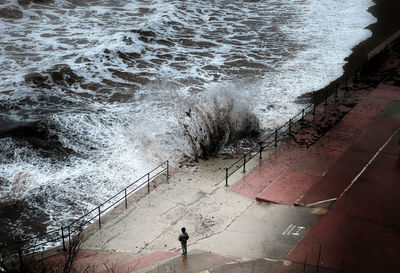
column 265, row 53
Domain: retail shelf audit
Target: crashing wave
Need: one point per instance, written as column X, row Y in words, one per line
column 218, row 121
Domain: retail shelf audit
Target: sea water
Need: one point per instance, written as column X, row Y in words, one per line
column 93, row 94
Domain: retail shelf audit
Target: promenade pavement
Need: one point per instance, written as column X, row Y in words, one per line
column 332, row 206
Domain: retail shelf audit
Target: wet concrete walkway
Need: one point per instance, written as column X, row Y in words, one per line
column 355, row 164
column 336, row 200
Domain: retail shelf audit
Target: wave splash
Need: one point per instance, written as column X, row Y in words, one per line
column 220, row 120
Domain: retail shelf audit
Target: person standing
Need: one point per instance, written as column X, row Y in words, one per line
column 183, row 238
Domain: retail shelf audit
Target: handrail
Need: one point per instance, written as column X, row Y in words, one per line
column 273, row 138
column 24, row 245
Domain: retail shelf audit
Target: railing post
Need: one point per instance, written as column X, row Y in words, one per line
column 62, row 236
column 345, row 80
column 167, row 170
column 315, row 105
column 126, row 200
column 99, row 218
column 69, row 235
column 290, row 126
column 20, row 257
column 261, row 149
column 226, row 177
column 148, row 182
column 336, row 89
column 326, row 98
column 244, row 162
column 276, row 138
column 302, row 114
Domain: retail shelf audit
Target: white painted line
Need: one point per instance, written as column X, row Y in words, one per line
column 369, row 162
column 321, row 202
column 293, row 230
column 287, row 229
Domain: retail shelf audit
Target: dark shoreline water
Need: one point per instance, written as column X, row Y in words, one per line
column 387, row 14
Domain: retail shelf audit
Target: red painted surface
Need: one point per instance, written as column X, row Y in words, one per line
column 141, row 262
column 337, row 141
column 384, row 170
column 393, row 147
column 289, row 187
column 336, row 158
column 368, row 109
column 316, row 161
column 360, row 232
column 378, row 132
column 261, row 176
column 258, row 179
column 351, row 243
column 385, row 93
column 330, row 186
column 372, row 202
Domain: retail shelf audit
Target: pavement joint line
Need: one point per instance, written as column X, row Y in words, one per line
column 369, row 162
column 177, row 204
column 364, row 220
column 149, row 243
column 227, row 226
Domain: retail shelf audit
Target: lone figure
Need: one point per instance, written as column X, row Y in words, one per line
column 183, row 237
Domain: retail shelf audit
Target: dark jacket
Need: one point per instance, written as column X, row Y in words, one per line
column 183, row 237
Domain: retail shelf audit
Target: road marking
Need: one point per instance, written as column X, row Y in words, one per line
column 369, row 162
column 321, row 202
column 293, row 230
column 358, row 175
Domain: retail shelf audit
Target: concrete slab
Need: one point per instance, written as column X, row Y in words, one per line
column 353, row 124
column 273, row 231
column 371, row 202
column 384, row 170
column 286, row 154
column 155, row 222
column 377, row 134
column 263, row 266
column 168, row 192
column 288, row 188
column 393, row 147
column 329, row 186
column 337, row 141
column 316, row 161
column 350, row 243
column 258, row 179
column 137, row 263
column 392, row 110
column 193, row 263
column 134, row 229
column 203, row 177
column 261, row 176
column 385, row 92
column 352, row 162
column 368, row 108
column 202, row 219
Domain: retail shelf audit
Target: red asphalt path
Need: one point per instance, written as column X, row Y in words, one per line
column 295, row 175
column 356, row 163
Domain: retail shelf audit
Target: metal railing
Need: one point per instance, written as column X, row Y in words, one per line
column 324, row 96
column 63, row 235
